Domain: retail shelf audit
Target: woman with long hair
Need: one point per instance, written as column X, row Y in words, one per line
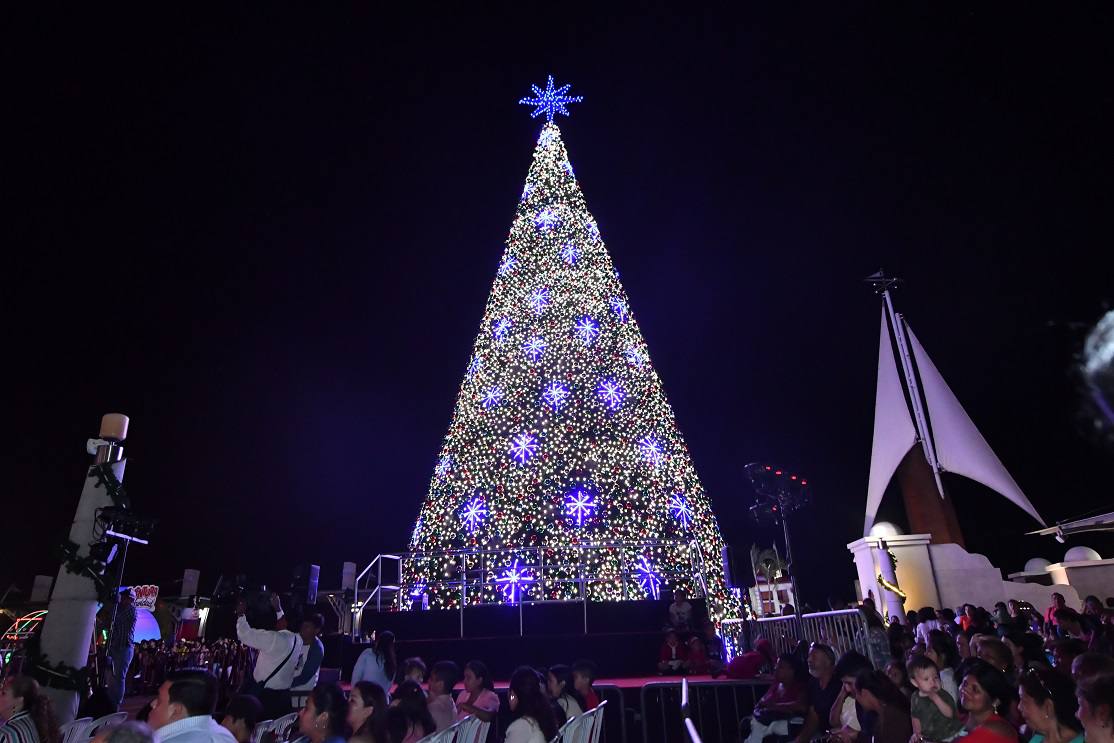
column 1048, row 706
column 1095, row 695
column 408, row 718
column 27, row 714
column 942, row 651
column 984, row 692
column 559, row 684
column 367, row 713
column 378, row 663
column 479, row 698
column 323, row 719
column 876, row 693
column 534, row 721
column 787, row 697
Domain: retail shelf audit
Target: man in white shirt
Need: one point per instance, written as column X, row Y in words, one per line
column 274, row 667
column 183, row 710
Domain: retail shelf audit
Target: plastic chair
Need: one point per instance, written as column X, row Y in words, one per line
column 472, row 730
column 448, row 735
column 563, row 730
column 282, row 725
column 113, row 719
column 597, row 723
column 258, row 731
column 75, row 731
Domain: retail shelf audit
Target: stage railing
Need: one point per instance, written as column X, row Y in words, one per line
column 673, row 711
column 843, row 630
column 578, row 573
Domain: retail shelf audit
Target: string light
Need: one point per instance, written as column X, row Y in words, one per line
column 550, row 101
column 514, row 581
column 563, row 400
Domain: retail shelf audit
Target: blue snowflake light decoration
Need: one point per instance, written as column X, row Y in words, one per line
column 474, row 366
column 500, row 327
column 651, row 449
column 534, row 348
column 514, row 582
column 611, row 393
column 550, row 101
column 619, row 307
column 568, row 168
column 527, row 190
column 493, row 396
column 570, row 252
column 523, row 448
column 417, row 590
column 635, row 357
column 680, row 509
column 586, row 329
column 593, row 229
column 538, row 299
column 546, row 219
column 414, row 535
column 580, row 505
column 556, row 394
column 507, row 265
column 444, row 465
column 648, row 579
column 473, row 514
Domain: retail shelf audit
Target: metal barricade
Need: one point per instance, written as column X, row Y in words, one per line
column 843, row 630
column 714, row 708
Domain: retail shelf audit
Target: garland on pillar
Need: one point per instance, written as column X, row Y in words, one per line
column 59, row 675
column 891, row 587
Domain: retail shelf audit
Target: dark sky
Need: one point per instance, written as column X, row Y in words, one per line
column 269, row 240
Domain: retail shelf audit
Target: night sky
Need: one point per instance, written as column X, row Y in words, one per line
column 269, row 240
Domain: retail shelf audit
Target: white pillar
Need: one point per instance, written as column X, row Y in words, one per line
column 69, row 624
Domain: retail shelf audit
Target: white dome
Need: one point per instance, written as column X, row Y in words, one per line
column 1081, row 554
column 1036, row 565
column 884, row 529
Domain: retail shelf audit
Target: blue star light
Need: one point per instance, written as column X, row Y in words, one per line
column 546, row 219
column 586, row 330
column 550, row 101
column 515, row 581
column 417, row 590
column 507, row 265
column 538, row 299
column 648, row 580
column 534, row 348
column 635, row 357
column 500, row 327
column 570, row 252
column 556, row 394
column 593, row 229
column 443, row 466
column 523, row 448
column 568, row 168
column 612, row 393
column 473, row 514
column 474, row 366
column 527, row 190
column 679, row 507
column 580, row 506
column 651, row 449
column 493, row 397
column 619, row 307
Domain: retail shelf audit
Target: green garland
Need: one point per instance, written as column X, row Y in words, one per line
column 87, row 566
column 107, row 478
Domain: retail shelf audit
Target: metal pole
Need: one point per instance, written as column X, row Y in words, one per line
column 379, row 584
column 463, row 589
column 898, row 323
column 789, row 560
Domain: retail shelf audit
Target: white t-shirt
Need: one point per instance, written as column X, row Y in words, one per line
column 524, row 730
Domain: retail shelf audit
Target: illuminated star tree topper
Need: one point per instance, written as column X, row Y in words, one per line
column 550, row 101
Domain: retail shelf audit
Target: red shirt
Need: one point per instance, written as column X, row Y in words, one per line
column 746, row 666
column 591, row 699
column 672, row 652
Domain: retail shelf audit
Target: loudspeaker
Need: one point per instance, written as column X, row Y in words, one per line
column 190, row 579
column 303, row 584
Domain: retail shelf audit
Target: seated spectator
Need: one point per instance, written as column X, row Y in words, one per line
column 1091, row 664
column 1027, row 650
column 983, row 691
column 583, row 676
column 1048, row 706
column 713, row 648
column 1058, row 603
column 367, row 713
column 533, row 715
column 413, row 669
column 241, row 716
column 934, row 711
column 183, row 710
column 895, row 672
column 408, row 718
column 1087, row 630
column 680, row 611
column 479, row 698
column 823, row 688
column 1092, row 607
column 1096, row 707
column 847, row 719
column 746, row 665
column 673, row 655
column 878, row 695
column 996, row 653
column 559, row 683
column 697, row 663
column 378, row 664
column 927, row 623
column 442, row 679
column 26, row 714
column 323, row 718
column 130, row 731
column 786, row 698
column 1064, row 652
column 941, row 650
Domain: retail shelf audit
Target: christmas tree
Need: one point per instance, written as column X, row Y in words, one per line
column 563, row 475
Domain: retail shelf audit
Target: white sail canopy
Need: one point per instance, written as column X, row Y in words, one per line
column 894, row 433
column 960, row 448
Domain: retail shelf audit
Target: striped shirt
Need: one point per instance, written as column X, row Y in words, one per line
column 19, row 729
